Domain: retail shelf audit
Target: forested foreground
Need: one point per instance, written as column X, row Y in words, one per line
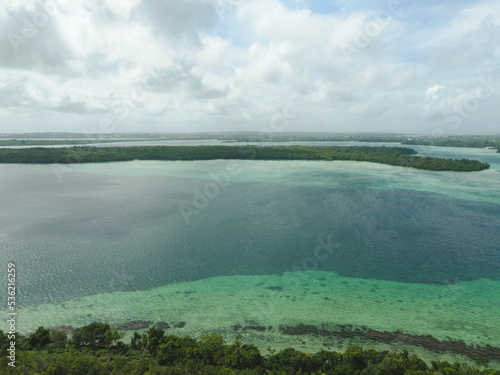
column 396, row 156
column 96, row 349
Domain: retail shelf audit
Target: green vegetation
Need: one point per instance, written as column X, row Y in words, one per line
column 473, row 141
column 264, row 136
column 96, row 349
column 396, row 156
column 311, row 137
column 476, row 141
column 41, row 139
column 55, row 142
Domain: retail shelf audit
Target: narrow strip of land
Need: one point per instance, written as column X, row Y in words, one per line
column 58, row 142
column 396, row 156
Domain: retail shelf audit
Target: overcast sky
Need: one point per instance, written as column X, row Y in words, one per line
column 404, row 66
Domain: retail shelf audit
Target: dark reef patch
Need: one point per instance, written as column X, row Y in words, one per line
column 428, row 342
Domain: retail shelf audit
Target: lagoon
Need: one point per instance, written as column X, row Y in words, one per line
column 407, row 250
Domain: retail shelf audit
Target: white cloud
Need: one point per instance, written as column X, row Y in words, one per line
column 31, row 40
column 185, row 65
column 122, row 8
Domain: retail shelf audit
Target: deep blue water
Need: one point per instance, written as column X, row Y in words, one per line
column 102, row 232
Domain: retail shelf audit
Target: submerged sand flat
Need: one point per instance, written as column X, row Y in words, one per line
column 468, row 311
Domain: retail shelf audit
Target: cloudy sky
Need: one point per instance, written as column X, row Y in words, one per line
column 228, row 65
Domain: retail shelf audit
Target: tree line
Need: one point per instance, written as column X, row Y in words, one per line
column 396, row 156
column 97, row 349
column 472, row 141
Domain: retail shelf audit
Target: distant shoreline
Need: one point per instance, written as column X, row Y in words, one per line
column 39, row 139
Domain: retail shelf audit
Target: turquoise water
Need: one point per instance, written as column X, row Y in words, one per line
column 466, row 311
column 345, row 243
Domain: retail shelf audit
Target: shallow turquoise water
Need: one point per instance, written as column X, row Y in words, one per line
column 468, row 311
